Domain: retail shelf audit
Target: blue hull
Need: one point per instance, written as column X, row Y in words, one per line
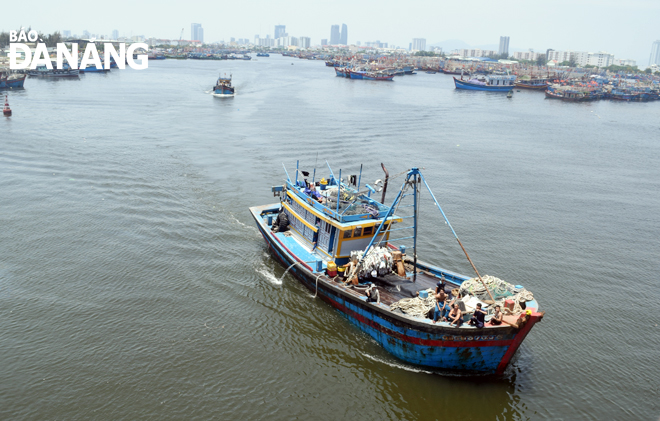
column 223, row 91
column 357, row 75
column 464, row 349
column 11, row 84
column 461, row 84
column 93, row 69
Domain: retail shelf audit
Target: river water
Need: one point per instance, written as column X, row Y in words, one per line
column 134, row 285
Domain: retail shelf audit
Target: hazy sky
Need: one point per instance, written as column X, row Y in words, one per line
column 624, row 28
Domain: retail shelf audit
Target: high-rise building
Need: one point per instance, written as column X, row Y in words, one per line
column 343, row 39
column 324, row 42
column 280, row 31
column 197, row 32
column 334, row 35
column 66, row 33
column 85, row 34
column 304, row 42
column 655, row 53
column 419, row 44
column 504, row 46
column 115, row 34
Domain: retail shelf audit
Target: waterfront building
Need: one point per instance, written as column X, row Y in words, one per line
column 655, row 54
column 304, row 42
column 324, row 42
column 475, row 52
column 600, row 59
column 334, row 35
column 624, row 62
column 115, row 34
column 280, row 31
column 418, row 44
column 343, row 38
column 504, row 46
column 197, row 32
column 527, row 55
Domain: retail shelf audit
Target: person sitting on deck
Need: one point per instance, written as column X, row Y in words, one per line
column 455, row 316
column 441, row 307
column 312, row 192
column 496, row 320
column 478, row 319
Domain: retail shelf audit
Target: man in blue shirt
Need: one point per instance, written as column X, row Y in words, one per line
column 312, row 192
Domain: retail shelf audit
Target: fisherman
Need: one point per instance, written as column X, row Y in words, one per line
column 441, row 307
column 478, row 319
column 440, row 286
column 454, row 316
column 312, row 192
column 496, row 320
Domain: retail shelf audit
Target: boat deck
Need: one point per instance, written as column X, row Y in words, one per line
column 392, row 287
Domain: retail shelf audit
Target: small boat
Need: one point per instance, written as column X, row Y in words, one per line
column 11, row 80
column 341, row 72
column 450, row 72
column 223, row 87
column 510, row 94
column 263, row 55
column 339, row 242
column 377, row 76
column 491, row 83
column 535, row 84
column 6, row 111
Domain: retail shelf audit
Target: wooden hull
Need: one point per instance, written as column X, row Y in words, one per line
column 530, row 86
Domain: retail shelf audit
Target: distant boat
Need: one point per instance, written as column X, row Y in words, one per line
column 263, row 55
column 65, row 71
column 11, row 80
column 573, row 94
column 341, row 71
column 94, row 69
column 492, row 83
column 223, row 87
column 377, row 76
column 534, row 84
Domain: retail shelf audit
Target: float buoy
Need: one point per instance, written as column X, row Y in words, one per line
column 6, row 111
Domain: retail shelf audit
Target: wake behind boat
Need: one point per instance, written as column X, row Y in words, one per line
column 223, row 87
column 339, row 242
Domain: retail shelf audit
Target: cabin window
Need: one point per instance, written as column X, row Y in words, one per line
column 328, row 228
column 358, row 232
column 368, row 230
column 348, row 234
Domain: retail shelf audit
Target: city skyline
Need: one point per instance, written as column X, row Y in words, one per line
column 635, row 23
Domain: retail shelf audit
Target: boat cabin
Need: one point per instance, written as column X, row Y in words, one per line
column 329, row 227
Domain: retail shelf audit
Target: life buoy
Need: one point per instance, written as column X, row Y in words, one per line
column 378, row 185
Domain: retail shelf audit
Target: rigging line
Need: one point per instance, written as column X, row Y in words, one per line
column 317, row 285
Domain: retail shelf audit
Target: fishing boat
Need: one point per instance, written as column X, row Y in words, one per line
column 55, row 72
column 451, row 72
column 93, row 68
column 263, row 55
column 378, row 76
column 342, row 72
column 539, row 84
column 11, row 80
column 492, row 83
column 571, row 93
column 223, row 87
column 340, row 243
